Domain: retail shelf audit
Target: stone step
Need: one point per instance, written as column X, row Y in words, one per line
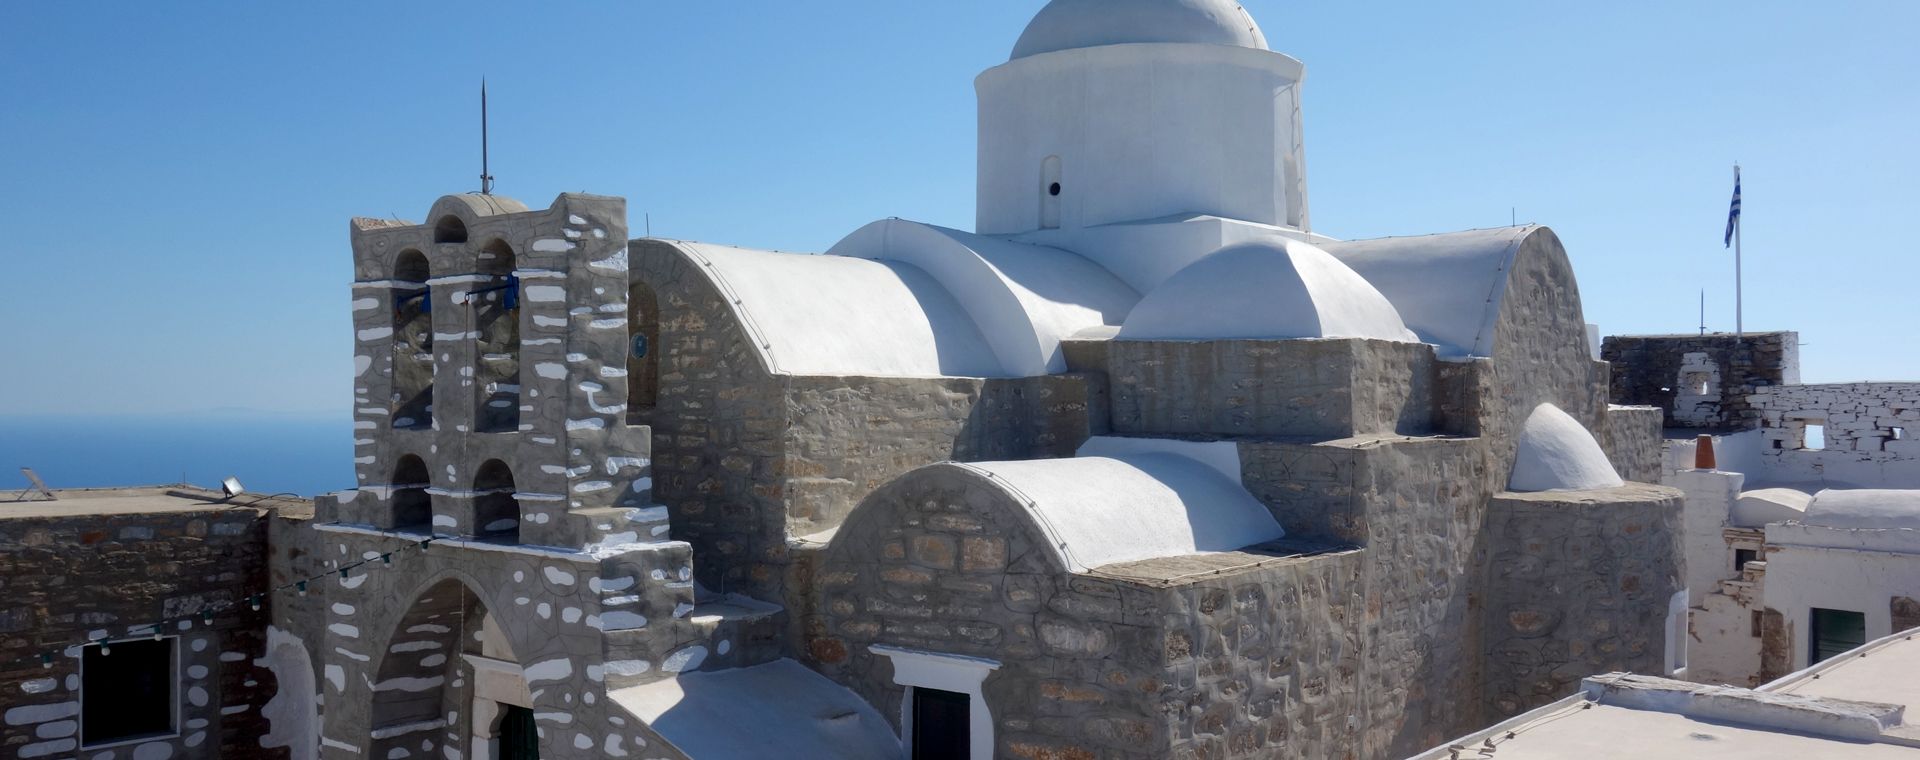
column 627, row 525
column 732, row 631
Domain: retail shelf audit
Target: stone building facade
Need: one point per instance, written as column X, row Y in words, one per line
column 1702, row 382
column 101, row 567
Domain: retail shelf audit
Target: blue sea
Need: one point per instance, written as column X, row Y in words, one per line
column 269, row 453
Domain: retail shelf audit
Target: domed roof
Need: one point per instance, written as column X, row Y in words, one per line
column 1557, row 453
column 1069, row 24
column 1864, row 508
column 1278, row 288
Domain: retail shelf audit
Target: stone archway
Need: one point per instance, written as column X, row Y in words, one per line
column 443, row 677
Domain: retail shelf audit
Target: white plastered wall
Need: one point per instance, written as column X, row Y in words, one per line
column 1837, row 569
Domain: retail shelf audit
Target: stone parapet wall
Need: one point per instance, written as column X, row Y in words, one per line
column 1715, row 375
column 1324, row 388
column 1632, row 439
column 70, row 580
column 1578, row 584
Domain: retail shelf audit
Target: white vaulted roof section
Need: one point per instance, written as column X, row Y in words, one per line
column 1024, row 298
column 833, row 315
column 1448, row 287
column 1099, row 510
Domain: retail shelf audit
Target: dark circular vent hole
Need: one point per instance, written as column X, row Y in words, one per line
column 1053, row 189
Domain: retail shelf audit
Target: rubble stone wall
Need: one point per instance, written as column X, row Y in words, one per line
column 1870, row 433
column 1649, row 370
column 1578, row 584
column 107, row 576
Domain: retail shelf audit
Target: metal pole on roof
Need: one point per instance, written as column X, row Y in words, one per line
column 486, row 177
column 1739, row 329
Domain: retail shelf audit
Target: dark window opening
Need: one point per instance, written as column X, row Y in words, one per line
column 519, row 737
column 450, row 230
column 496, row 513
column 412, row 507
column 940, row 725
column 126, row 691
column 1742, row 556
column 1835, row 632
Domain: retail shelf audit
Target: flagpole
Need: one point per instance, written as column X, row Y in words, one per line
column 1739, row 331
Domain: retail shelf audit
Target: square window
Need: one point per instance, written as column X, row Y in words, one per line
column 127, row 691
column 1835, row 632
column 1742, row 556
column 1813, row 435
column 1899, row 433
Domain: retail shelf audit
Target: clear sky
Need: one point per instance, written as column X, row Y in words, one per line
column 176, row 178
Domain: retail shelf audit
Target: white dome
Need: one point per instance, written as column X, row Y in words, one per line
column 1278, row 288
column 1069, row 24
column 1556, row 453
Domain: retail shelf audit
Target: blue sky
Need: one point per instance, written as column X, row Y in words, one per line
column 176, row 178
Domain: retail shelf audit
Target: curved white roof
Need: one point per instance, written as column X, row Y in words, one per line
column 1448, row 287
column 834, row 315
column 1024, row 298
column 1556, row 453
column 1275, row 288
column 1864, row 508
column 1133, row 506
column 1756, row 508
column 1070, row 24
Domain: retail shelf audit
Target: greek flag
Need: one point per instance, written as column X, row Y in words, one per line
column 1733, row 212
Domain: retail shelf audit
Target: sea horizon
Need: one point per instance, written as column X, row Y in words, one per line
column 304, row 453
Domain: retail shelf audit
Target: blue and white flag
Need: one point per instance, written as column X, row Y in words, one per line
column 1733, row 212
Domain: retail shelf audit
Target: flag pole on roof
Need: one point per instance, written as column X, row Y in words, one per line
column 1733, row 238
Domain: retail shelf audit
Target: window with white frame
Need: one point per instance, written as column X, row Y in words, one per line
column 128, row 691
column 944, row 713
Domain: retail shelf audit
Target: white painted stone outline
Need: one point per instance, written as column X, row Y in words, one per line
column 913, row 668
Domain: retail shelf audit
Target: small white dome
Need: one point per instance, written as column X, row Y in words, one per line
column 1070, row 24
column 1556, row 453
column 1277, row 289
column 1756, row 508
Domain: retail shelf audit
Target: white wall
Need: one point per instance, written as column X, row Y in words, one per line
column 1710, row 495
column 1858, row 570
column 1142, row 131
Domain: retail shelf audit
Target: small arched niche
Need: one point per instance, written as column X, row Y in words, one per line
column 412, row 507
column 412, row 298
column 449, row 229
column 495, row 301
column 496, row 514
column 643, row 350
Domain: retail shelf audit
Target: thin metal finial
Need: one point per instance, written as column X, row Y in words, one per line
column 486, row 177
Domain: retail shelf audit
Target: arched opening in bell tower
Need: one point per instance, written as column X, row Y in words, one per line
column 412, row 403
column 495, row 301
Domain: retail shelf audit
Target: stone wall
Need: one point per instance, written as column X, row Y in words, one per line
column 1701, row 382
column 747, row 461
column 1632, row 440
column 85, row 577
column 1327, row 388
column 1869, row 431
column 1579, row 585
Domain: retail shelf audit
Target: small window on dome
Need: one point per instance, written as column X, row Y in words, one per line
column 1050, row 193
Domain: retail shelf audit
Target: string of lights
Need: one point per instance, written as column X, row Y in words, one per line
column 206, row 616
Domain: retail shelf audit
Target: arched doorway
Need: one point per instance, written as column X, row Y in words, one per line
column 449, row 676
